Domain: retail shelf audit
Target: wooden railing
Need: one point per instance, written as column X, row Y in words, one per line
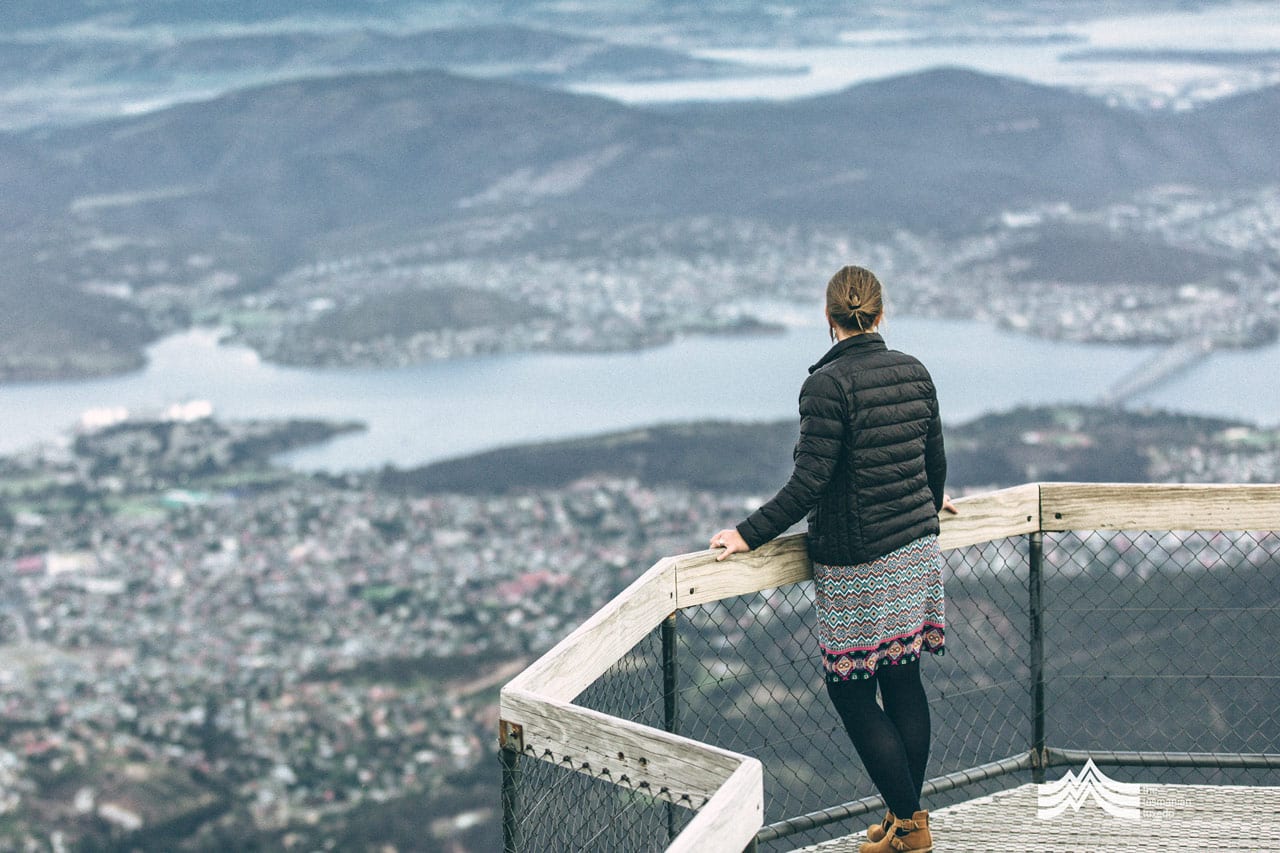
column 539, row 719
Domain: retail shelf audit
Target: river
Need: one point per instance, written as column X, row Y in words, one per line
column 445, row 409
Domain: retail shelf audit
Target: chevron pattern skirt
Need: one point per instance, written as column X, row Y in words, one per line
column 883, row 612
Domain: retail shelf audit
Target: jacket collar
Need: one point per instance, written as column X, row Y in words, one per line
column 867, row 342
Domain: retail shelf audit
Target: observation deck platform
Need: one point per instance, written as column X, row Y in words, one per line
column 1084, row 617
column 1170, row 818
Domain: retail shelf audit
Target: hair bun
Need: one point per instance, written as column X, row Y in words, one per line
column 854, row 299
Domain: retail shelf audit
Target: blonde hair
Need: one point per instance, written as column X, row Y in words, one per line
column 854, row 299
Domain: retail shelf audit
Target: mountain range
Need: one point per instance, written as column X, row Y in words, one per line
column 58, row 78
column 930, row 149
column 275, row 172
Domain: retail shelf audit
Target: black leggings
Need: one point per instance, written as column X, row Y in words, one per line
column 894, row 742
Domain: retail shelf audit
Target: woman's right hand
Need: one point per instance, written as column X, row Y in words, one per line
column 948, row 506
column 731, row 541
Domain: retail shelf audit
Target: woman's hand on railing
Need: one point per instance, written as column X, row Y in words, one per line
column 731, row 541
column 948, row 506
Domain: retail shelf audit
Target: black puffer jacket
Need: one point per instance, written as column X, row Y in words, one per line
column 869, row 465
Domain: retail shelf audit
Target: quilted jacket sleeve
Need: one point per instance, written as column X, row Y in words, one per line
column 935, row 458
column 822, row 419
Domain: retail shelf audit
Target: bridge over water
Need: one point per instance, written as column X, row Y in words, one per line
column 1160, row 367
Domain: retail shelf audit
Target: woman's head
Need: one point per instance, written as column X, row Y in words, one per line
column 854, row 301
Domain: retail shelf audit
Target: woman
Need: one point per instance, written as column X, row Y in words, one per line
column 869, row 471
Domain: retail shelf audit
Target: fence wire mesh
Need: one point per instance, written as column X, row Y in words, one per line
column 1153, row 642
column 559, row 808
column 1160, row 641
column 751, row 681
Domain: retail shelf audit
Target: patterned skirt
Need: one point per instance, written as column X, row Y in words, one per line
column 882, row 612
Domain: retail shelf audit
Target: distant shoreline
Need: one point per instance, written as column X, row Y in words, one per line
column 504, row 342
column 1085, row 443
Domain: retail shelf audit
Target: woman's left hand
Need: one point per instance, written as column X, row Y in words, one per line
column 731, row 541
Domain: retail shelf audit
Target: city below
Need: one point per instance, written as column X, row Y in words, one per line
column 201, row 647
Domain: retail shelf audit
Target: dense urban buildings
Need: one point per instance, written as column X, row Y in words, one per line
column 222, row 644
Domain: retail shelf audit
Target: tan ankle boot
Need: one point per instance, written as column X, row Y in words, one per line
column 879, row 830
column 907, row 835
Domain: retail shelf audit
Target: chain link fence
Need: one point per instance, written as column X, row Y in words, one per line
column 555, row 807
column 1161, row 641
column 1152, row 642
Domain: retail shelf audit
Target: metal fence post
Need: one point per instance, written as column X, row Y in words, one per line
column 1035, row 587
column 511, row 740
column 670, row 709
